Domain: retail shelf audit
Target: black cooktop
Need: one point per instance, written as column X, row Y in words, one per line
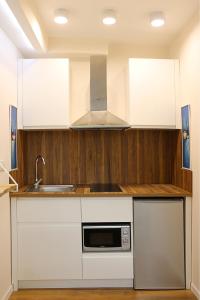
column 105, row 188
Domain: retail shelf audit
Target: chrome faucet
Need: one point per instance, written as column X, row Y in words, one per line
column 37, row 181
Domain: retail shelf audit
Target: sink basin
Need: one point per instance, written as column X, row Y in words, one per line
column 51, row 188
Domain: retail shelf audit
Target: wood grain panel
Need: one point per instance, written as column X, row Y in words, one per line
column 132, row 156
column 19, row 173
column 181, row 177
column 100, row 156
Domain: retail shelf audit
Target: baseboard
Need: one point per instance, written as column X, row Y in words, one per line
column 195, row 291
column 7, row 293
column 58, row 284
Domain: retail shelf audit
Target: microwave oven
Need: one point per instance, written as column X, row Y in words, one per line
column 106, row 237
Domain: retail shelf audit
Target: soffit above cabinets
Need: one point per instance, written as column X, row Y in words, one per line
column 85, row 26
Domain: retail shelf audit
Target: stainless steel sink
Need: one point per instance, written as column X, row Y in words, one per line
column 51, row 188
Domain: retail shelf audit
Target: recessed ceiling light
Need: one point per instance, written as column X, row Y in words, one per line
column 109, row 17
column 157, row 19
column 60, row 16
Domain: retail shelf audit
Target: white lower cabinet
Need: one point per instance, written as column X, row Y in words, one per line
column 108, row 266
column 46, row 239
column 47, row 243
column 49, row 251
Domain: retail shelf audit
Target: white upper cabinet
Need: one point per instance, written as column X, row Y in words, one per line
column 153, row 85
column 45, row 93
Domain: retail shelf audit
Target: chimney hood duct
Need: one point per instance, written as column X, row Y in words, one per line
column 99, row 116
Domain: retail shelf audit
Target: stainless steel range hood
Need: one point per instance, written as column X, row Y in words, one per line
column 99, row 116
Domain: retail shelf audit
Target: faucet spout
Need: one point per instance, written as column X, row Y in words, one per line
column 39, row 157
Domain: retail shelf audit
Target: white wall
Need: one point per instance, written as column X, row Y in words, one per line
column 8, row 95
column 187, row 48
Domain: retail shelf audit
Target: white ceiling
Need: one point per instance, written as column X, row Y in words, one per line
column 133, row 20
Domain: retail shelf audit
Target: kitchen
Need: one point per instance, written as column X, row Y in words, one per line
column 99, row 122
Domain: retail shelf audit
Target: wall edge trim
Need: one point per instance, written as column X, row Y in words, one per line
column 8, row 293
column 195, row 290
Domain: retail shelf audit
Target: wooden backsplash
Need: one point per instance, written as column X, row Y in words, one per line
column 98, row 156
column 102, row 156
column 180, row 177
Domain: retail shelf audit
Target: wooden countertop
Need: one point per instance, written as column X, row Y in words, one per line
column 134, row 190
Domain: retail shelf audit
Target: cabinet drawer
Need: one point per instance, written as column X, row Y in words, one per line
column 48, row 210
column 108, row 266
column 106, row 209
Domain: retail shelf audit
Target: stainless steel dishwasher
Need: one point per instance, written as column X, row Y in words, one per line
column 159, row 256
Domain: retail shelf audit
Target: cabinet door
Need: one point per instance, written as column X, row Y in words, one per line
column 49, row 251
column 152, row 92
column 45, row 93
